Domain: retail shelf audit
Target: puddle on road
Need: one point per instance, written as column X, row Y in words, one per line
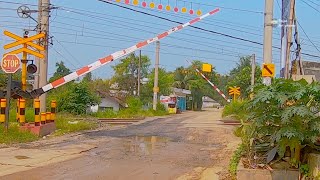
column 22, row 157
column 144, row 144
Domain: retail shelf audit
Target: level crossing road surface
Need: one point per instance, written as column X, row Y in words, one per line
column 192, row 145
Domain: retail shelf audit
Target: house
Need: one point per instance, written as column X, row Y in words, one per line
column 108, row 102
column 207, row 102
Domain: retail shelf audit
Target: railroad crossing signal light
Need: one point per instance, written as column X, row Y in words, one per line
column 268, row 70
column 31, row 68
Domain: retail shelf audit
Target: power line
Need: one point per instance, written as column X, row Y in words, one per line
column 223, row 7
column 308, row 37
column 169, row 53
column 66, row 50
column 165, row 44
column 120, row 35
column 144, row 25
column 202, row 29
column 314, row 3
column 6, row 2
column 311, row 6
column 74, row 10
column 63, row 57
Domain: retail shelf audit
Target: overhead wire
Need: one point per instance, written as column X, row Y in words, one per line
column 167, row 52
column 199, row 28
column 308, row 37
column 310, row 6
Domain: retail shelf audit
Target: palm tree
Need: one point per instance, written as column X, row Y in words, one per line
column 182, row 78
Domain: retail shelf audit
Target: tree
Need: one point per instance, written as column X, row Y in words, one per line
column 240, row 76
column 75, row 98
column 61, row 71
column 72, row 97
column 165, row 85
column 187, row 78
column 102, row 85
column 88, row 77
column 126, row 72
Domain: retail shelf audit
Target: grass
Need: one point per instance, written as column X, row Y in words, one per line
column 14, row 135
column 66, row 123
column 235, row 159
column 129, row 113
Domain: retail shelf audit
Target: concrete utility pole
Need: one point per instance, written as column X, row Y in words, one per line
column 37, row 60
column 267, row 42
column 139, row 73
column 289, row 40
column 156, row 74
column 253, row 70
column 45, row 14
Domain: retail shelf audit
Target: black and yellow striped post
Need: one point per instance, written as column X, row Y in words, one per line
column 22, row 111
column 43, row 118
column 48, row 117
column 53, row 110
column 37, row 119
column 18, row 110
column 3, row 105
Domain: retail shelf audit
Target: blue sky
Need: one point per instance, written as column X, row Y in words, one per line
column 87, row 30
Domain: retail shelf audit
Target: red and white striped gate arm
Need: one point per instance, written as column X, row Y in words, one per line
column 118, row 54
column 214, row 86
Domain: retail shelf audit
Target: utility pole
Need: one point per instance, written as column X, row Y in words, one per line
column 289, row 40
column 45, row 14
column 267, row 43
column 37, row 60
column 139, row 73
column 253, row 70
column 156, row 74
column 299, row 64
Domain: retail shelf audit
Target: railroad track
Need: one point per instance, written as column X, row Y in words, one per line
column 115, row 121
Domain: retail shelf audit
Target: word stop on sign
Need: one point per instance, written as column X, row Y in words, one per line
column 10, row 63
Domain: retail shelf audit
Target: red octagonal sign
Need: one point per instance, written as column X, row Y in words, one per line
column 10, row 63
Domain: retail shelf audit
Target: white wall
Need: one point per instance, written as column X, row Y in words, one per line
column 106, row 103
column 109, row 102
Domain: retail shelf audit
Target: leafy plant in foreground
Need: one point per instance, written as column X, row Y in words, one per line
column 285, row 116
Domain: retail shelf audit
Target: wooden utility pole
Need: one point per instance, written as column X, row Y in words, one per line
column 156, row 74
column 289, row 40
column 43, row 76
column 253, row 70
column 139, row 73
column 267, row 42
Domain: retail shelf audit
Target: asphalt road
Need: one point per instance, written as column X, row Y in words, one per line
column 186, row 146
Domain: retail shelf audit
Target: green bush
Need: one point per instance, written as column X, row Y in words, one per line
column 236, row 109
column 284, row 116
column 73, row 98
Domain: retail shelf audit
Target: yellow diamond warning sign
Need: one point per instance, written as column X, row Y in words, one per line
column 268, row 70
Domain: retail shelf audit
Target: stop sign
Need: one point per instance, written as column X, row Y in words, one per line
column 10, row 63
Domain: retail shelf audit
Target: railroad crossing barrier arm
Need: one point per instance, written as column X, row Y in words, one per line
column 103, row 61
